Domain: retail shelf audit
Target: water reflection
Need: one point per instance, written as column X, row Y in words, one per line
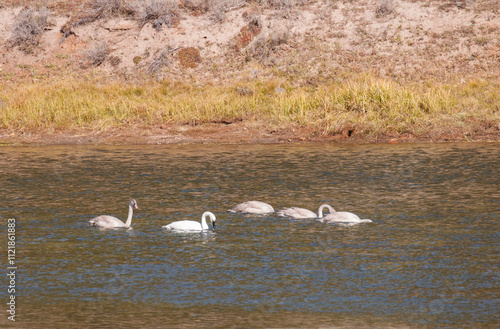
column 430, row 257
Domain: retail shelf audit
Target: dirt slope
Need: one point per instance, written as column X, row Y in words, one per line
column 417, row 40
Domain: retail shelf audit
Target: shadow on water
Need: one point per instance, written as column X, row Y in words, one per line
column 430, row 257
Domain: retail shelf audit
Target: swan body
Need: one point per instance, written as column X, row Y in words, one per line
column 343, row 217
column 302, row 213
column 191, row 225
column 106, row 221
column 252, row 207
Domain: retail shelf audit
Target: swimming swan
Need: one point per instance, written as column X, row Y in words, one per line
column 106, row 221
column 302, row 213
column 191, row 225
column 343, row 217
column 252, row 207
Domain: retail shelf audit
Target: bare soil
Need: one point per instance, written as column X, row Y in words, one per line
column 235, row 133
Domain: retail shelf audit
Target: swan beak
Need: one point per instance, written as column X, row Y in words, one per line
column 213, row 225
column 136, row 207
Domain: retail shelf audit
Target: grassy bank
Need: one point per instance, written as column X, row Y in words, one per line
column 364, row 106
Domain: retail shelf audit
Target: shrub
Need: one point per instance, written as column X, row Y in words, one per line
column 108, row 8
column 219, row 8
column 248, row 33
column 385, row 7
column 160, row 62
column 137, row 59
column 96, row 55
column 262, row 47
column 197, row 7
column 28, row 27
column 218, row 11
column 282, row 4
column 189, row 57
column 115, row 60
column 158, row 12
column 97, row 9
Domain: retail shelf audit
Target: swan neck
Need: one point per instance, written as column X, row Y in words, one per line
column 129, row 218
column 323, row 206
column 204, row 220
column 204, row 225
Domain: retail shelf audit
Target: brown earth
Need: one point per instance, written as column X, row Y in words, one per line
column 324, row 40
column 235, row 133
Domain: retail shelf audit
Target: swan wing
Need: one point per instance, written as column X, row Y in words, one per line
column 296, row 212
column 341, row 217
column 106, row 221
column 253, row 207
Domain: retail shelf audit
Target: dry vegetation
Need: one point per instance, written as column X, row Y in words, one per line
column 28, row 28
column 414, row 69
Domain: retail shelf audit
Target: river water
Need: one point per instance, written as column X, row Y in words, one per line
column 429, row 259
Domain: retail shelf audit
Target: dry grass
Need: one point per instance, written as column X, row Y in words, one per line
column 364, row 106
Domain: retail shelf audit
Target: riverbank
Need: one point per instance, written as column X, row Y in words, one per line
column 362, row 109
column 237, row 133
column 368, row 71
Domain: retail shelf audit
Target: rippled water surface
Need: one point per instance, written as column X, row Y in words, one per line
column 429, row 259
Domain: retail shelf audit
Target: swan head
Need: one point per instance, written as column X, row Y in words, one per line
column 133, row 204
column 212, row 217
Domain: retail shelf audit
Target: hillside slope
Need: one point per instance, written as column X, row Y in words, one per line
column 416, row 40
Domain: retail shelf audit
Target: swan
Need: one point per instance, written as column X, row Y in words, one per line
column 191, row 225
column 252, row 207
column 110, row 221
column 302, row 213
column 343, row 217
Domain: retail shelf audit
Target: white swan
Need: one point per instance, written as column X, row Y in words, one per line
column 106, row 221
column 252, row 207
column 191, row 225
column 343, row 217
column 302, row 213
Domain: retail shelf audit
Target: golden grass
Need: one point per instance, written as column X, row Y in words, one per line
column 365, row 106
